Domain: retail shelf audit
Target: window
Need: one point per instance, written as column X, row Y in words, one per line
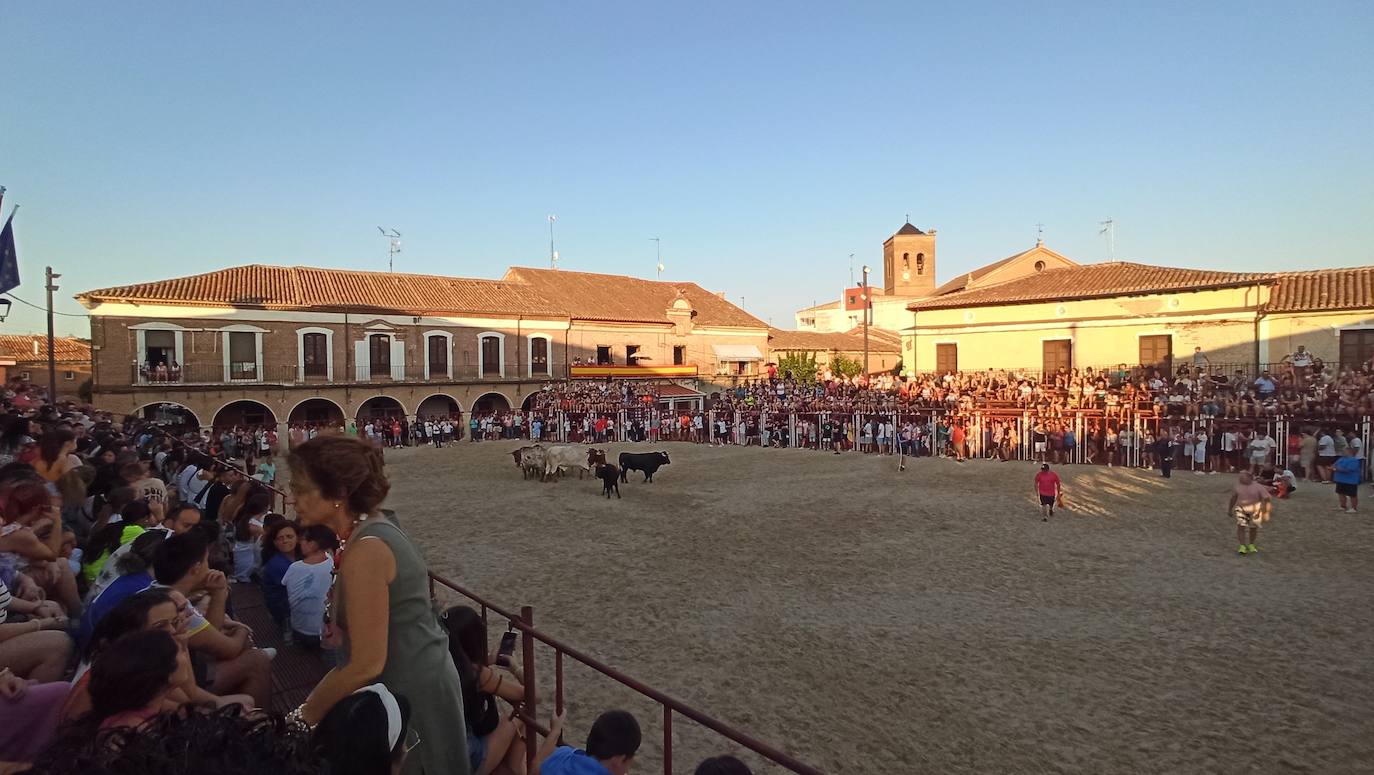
column 946, row 357
column 1056, row 354
column 603, row 355
column 906, row 260
column 315, row 355
column 539, row 355
column 379, row 355
column 920, row 263
column 680, row 355
column 1357, row 347
column 631, row 350
column 243, row 355
column 24, row 375
column 159, row 348
column 69, row 375
column 438, row 356
column 491, row 356
column 1157, row 352
column 853, row 300
column 1039, row 266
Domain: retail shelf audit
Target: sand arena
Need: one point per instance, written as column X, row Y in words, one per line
column 870, row 621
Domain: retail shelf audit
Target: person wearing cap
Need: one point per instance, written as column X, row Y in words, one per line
column 366, row 733
column 1049, row 488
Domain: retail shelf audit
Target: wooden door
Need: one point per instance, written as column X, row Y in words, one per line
column 1056, row 354
column 1157, row 352
column 946, row 358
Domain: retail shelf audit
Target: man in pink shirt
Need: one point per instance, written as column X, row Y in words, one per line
column 1049, row 488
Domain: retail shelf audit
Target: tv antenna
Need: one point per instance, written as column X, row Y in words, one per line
column 851, row 270
column 1109, row 229
column 1039, row 234
column 658, row 254
column 395, row 238
column 553, row 254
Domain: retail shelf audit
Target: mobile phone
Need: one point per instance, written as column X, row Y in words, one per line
column 507, row 648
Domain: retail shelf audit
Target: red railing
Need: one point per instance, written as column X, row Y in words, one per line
column 524, row 622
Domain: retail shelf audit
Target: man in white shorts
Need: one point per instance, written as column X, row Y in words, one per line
column 1259, row 449
column 1250, row 505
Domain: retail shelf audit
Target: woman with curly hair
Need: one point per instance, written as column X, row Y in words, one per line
column 378, row 611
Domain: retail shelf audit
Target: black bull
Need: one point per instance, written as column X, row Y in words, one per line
column 648, row 462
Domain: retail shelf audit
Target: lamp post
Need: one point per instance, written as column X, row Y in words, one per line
column 866, row 308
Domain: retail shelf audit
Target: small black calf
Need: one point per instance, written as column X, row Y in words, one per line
column 609, row 475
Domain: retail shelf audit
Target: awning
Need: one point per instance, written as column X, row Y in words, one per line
column 737, row 352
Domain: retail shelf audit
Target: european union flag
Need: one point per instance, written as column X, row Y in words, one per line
column 9, row 259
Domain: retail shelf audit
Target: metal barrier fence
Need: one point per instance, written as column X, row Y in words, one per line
column 530, row 637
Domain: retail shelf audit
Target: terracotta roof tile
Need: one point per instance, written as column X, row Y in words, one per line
column 21, row 347
column 590, row 296
column 779, row 339
column 301, row 287
column 1324, row 289
column 1117, row 278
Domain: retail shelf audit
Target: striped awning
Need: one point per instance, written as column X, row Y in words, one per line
column 737, row 352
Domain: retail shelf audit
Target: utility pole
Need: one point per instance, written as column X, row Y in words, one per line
column 52, row 357
column 866, row 308
column 658, row 254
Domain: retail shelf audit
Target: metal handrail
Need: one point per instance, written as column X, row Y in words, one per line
column 524, row 622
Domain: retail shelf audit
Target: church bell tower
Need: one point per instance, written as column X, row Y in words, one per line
column 909, row 262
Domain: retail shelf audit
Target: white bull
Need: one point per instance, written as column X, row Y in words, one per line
column 565, row 456
column 532, row 462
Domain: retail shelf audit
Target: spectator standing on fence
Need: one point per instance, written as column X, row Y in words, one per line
column 379, row 607
column 1346, row 473
column 1250, row 505
column 1261, row 446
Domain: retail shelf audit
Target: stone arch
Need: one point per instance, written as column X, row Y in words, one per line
column 168, row 413
column 317, row 411
column 491, row 401
column 528, row 403
column 378, row 407
column 439, row 405
column 246, row 412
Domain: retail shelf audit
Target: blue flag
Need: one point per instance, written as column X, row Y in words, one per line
column 9, row 259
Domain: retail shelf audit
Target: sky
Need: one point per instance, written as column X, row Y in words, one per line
column 763, row 143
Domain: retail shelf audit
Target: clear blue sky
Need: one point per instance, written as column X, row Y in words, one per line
column 763, row 142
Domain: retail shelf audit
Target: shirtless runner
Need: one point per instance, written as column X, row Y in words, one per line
column 1250, row 505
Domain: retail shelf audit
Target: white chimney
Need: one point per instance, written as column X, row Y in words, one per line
column 35, row 346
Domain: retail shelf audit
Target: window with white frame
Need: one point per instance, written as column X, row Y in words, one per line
column 438, row 360
column 315, row 353
column 539, row 355
column 491, row 355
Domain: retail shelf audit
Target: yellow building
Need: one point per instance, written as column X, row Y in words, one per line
column 1103, row 315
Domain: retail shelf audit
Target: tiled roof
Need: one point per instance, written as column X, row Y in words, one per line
column 909, row 229
column 68, row 349
column 779, row 339
column 1116, row 278
column 589, row 296
column 1323, row 289
column 302, row 287
column 887, row 337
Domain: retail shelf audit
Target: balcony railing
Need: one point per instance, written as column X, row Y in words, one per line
column 248, row 373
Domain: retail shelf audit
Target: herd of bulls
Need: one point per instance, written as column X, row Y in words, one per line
column 549, row 462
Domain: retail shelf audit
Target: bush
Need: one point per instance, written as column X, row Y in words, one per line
column 845, row 367
column 802, row 366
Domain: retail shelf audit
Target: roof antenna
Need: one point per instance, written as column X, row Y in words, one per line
column 658, row 252
column 851, row 270
column 553, row 254
column 395, row 238
column 1109, row 229
column 1039, row 234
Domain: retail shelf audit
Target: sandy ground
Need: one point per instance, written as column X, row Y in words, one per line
column 870, row 621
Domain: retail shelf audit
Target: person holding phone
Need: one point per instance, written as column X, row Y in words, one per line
column 493, row 736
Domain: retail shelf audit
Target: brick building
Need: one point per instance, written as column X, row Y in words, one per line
column 26, row 356
column 274, row 344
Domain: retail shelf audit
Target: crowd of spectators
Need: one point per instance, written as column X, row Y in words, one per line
column 123, row 548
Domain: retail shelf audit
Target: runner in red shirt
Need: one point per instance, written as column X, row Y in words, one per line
column 1049, row 488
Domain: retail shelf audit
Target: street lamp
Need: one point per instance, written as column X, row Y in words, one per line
column 867, row 305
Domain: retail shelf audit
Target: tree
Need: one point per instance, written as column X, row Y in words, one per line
column 84, row 391
column 845, row 367
column 801, row 366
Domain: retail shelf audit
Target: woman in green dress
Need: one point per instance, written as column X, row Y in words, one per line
column 378, row 613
